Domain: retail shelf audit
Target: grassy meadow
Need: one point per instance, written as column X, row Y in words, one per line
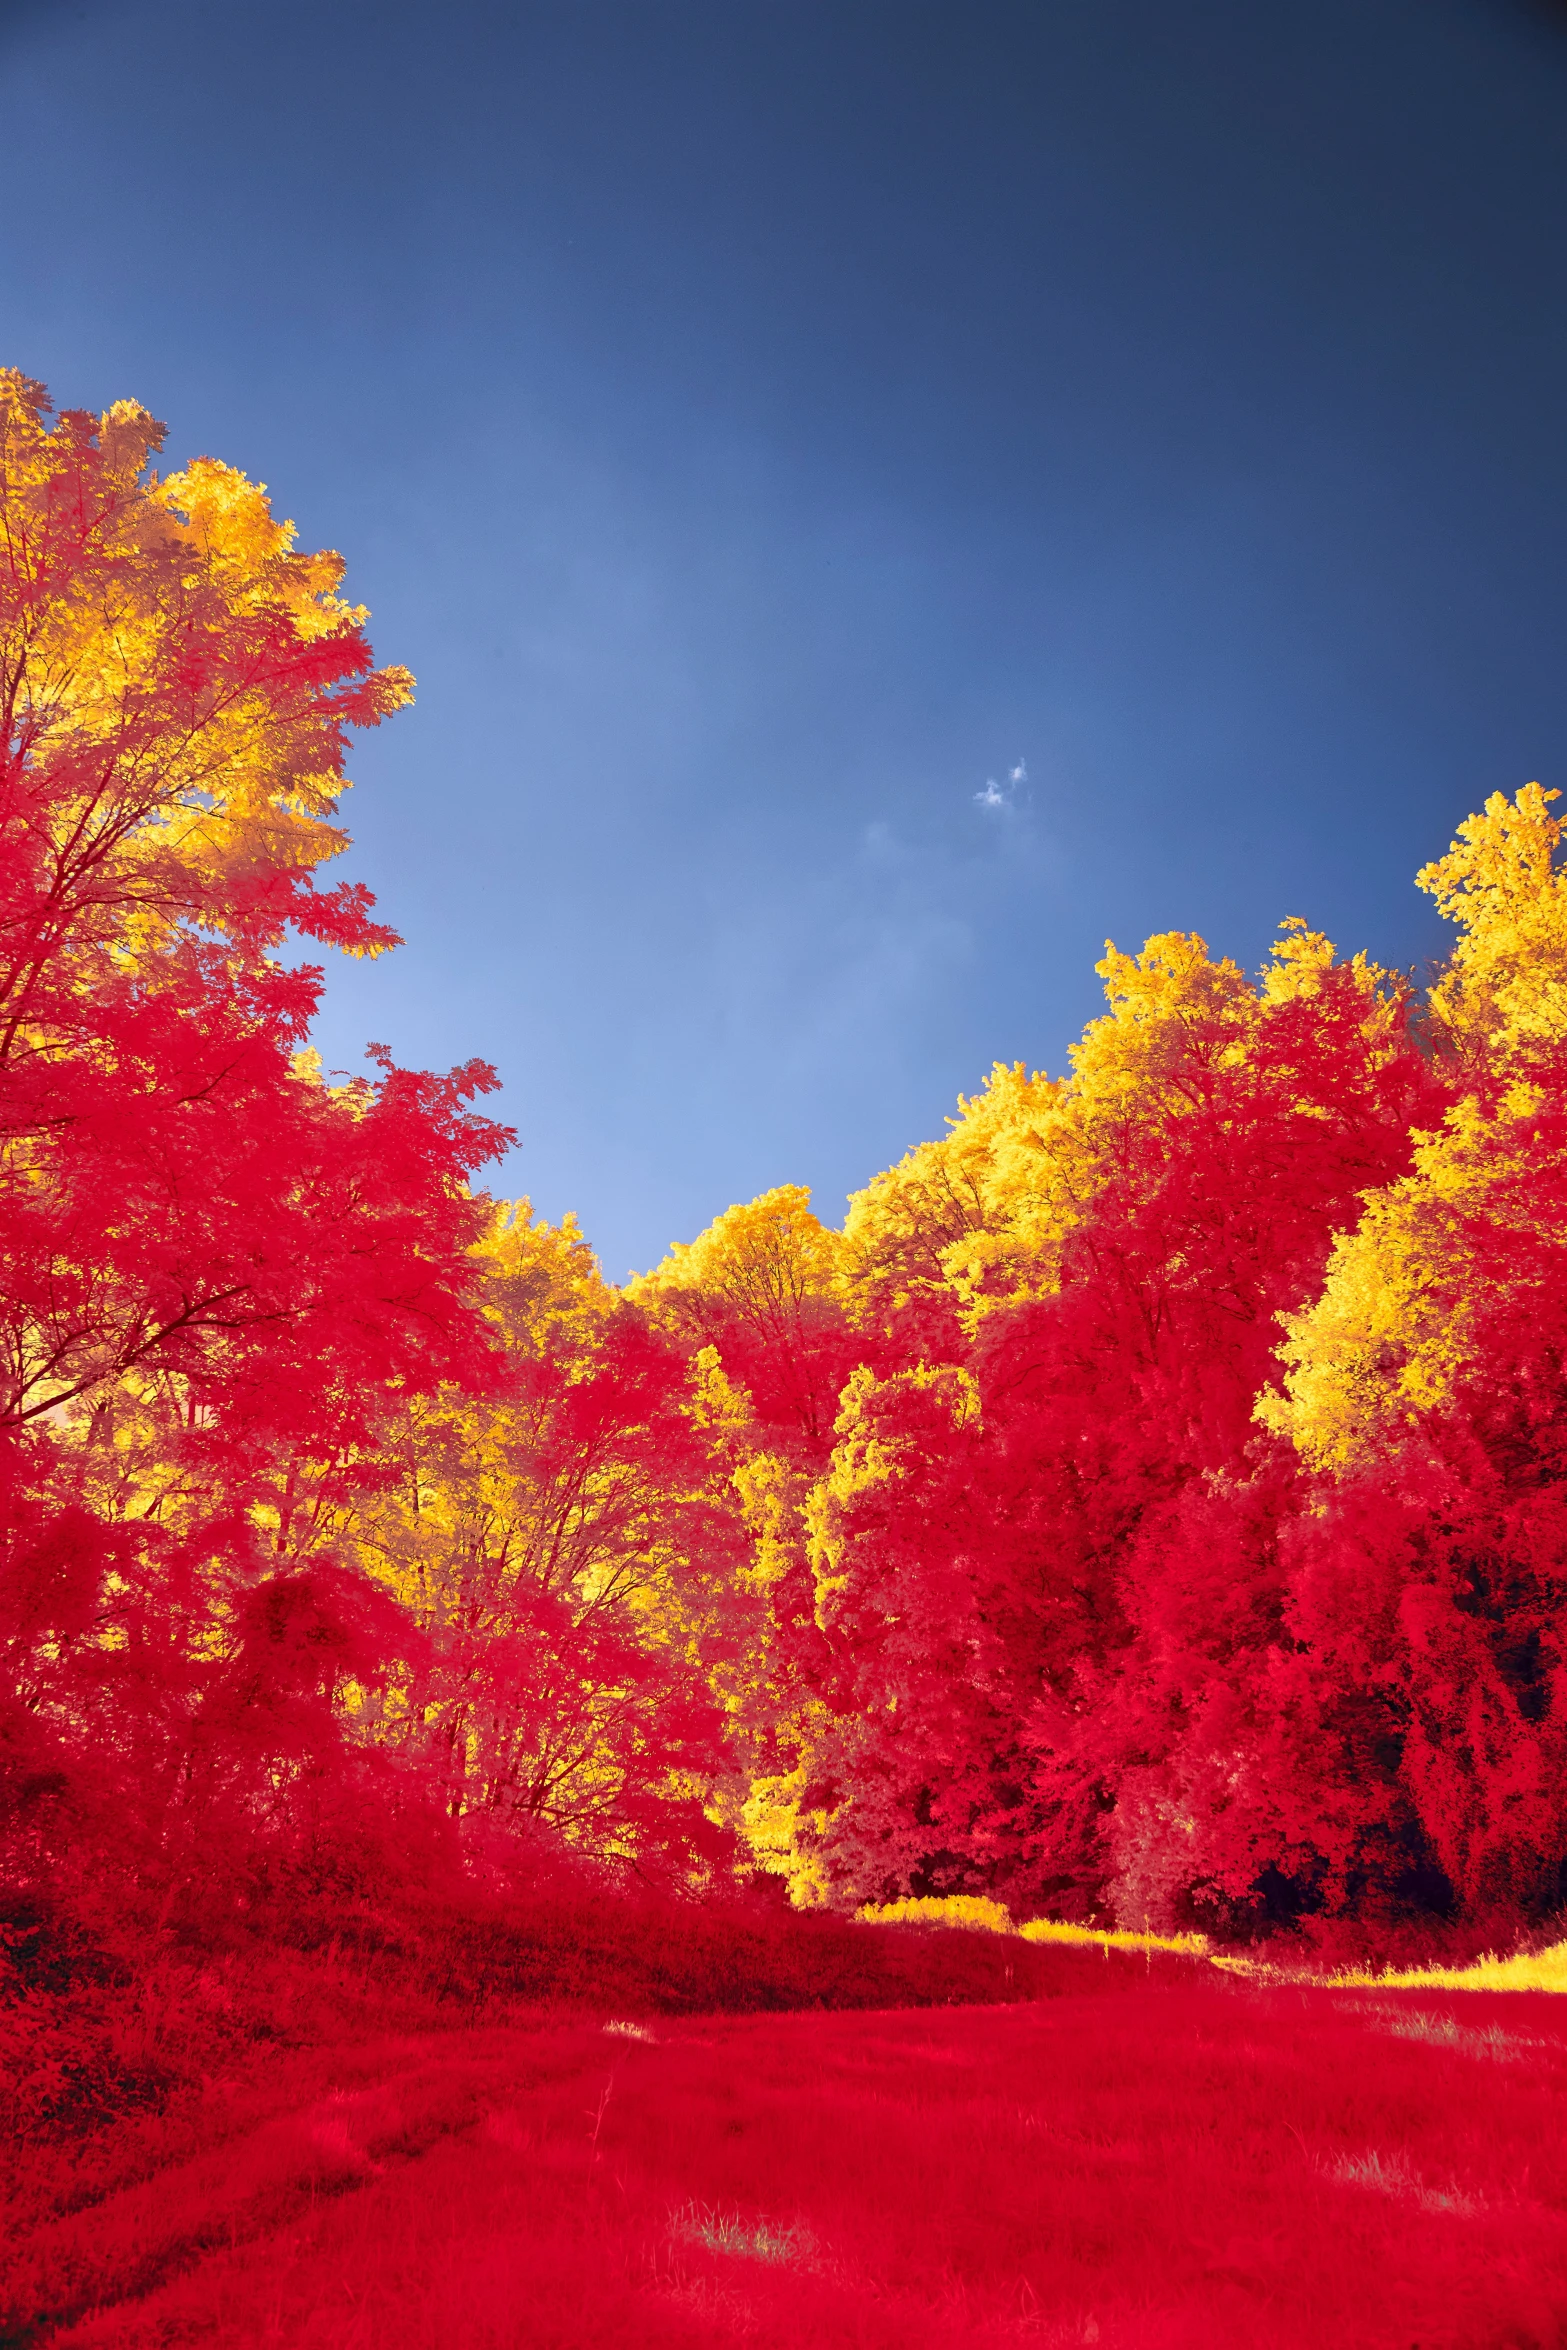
column 1055, row 2139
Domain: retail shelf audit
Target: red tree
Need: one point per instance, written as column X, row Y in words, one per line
column 209, row 1261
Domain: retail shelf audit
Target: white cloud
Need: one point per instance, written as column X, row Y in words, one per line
column 999, row 795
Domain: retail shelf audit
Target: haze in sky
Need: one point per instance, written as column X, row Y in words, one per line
column 878, row 498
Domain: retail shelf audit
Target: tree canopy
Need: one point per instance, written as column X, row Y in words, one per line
column 1150, row 1505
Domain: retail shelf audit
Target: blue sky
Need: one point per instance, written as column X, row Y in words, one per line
column 877, row 497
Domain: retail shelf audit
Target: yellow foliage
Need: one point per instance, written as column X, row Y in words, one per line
column 1392, row 1334
column 171, row 792
column 1173, row 1015
column 982, row 1216
column 544, row 1287
column 772, row 1496
column 764, row 1274
column 1528, row 1970
column 760, row 1261
column 1505, row 988
column 784, row 1835
column 1111, row 1938
column 1300, row 957
column 864, row 1457
column 524, row 1529
column 903, row 1230
column 981, row 1915
column 1541, row 1970
column 970, row 1911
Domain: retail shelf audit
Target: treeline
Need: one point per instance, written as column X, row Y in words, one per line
column 1185, row 1544
column 1147, row 1507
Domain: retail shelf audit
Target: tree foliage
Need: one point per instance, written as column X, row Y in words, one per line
column 216, row 1272
column 1152, row 1504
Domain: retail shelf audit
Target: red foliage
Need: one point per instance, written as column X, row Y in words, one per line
column 353, row 1535
column 1058, row 1613
column 209, row 1262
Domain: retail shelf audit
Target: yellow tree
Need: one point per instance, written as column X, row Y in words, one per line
column 982, row 1217
column 569, row 1548
column 762, row 1286
column 1469, row 1240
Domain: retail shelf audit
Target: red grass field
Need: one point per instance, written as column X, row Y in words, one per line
column 1156, row 2155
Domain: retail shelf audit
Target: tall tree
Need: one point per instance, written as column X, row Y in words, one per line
column 212, row 1265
